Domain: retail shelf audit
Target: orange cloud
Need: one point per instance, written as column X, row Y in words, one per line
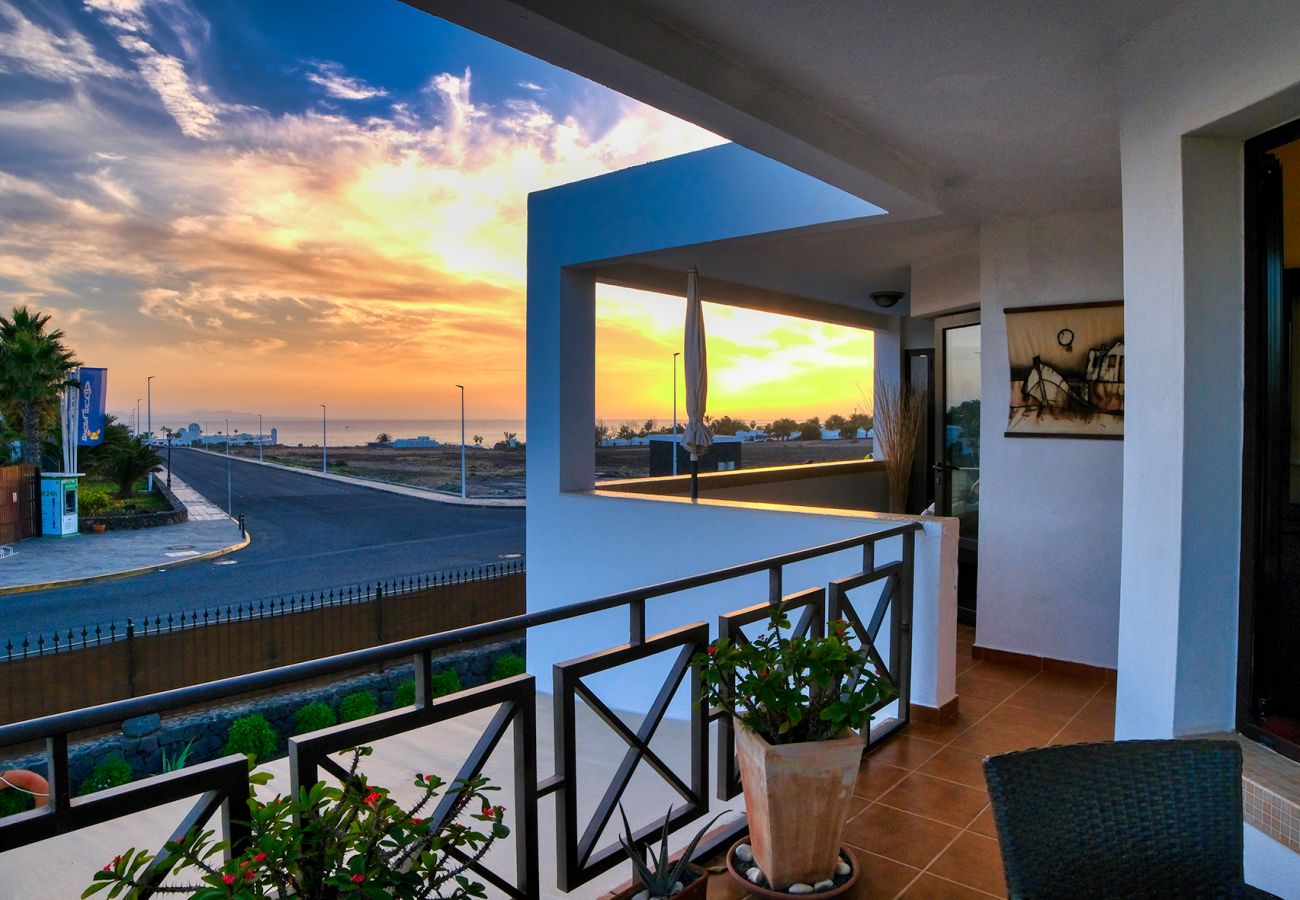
column 761, row 365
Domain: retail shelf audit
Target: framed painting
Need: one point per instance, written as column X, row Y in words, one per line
column 1067, row 371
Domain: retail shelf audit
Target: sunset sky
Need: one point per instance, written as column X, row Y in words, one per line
column 279, row 204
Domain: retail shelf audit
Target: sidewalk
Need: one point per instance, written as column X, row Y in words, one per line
column 391, row 487
column 48, row 561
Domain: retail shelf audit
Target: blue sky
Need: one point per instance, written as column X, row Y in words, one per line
column 288, row 200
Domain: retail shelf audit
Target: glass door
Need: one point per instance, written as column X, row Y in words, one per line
column 957, row 443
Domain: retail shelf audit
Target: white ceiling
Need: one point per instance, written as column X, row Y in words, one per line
column 980, row 109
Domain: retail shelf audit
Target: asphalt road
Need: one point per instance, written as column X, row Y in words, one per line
column 308, row 533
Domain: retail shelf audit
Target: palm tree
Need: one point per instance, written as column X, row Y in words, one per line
column 133, row 460
column 34, row 366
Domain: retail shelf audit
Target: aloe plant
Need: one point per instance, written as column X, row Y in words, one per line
column 660, row 875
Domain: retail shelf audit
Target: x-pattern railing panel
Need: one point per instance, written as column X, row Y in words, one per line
column 811, row 605
column 893, row 605
column 580, row 859
column 516, row 713
column 221, row 786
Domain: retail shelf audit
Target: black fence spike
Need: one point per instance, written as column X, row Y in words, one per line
column 84, row 635
column 56, row 642
column 40, row 645
column 26, row 646
column 99, row 635
column 9, row 649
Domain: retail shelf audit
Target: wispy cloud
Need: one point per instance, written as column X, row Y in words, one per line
column 32, row 49
column 341, row 86
column 300, row 251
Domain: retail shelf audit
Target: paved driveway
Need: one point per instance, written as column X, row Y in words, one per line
column 308, row 533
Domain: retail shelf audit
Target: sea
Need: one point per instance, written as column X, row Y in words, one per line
column 293, row 431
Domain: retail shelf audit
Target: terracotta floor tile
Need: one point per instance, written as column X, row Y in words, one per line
column 880, row 877
column 1084, row 685
column 944, row 801
column 973, row 860
column 971, row 684
column 905, row 751
column 1099, row 710
column 897, row 835
column 965, row 665
column 876, row 777
column 1039, row 724
column 1107, row 692
column 1031, row 696
column 971, row 710
column 954, row 764
column 1016, row 675
column 988, row 739
column 1081, row 732
column 984, row 824
column 932, row 887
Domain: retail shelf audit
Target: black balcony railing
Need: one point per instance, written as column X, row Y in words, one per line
column 222, row 785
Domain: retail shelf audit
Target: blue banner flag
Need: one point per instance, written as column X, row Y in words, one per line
column 90, row 406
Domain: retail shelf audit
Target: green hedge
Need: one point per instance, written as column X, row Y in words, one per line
column 313, row 717
column 107, row 773
column 444, row 682
column 508, row 665
column 252, row 736
column 358, row 706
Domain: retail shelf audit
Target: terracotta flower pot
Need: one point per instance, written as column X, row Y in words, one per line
column 695, row 889
column 797, row 797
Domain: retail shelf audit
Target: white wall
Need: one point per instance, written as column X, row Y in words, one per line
column 1193, row 86
column 582, row 546
column 946, row 285
column 1049, row 509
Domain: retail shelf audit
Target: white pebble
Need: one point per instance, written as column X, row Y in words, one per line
column 842, row 868
column 745, row 853
column 824, row 885
column 755, row 874
column 799, row 888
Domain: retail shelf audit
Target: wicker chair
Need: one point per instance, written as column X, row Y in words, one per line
column 1127, row 819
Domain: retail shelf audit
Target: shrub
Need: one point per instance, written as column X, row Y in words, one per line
column 358, row 706
column 405, row 694
column 444, row 682
column 507, row 666
column 313, row 717
column 94, row 499
column 13, row 801
column 252, row 736
column 108, row 773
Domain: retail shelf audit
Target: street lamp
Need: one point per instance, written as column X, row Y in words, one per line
column 259, row 437
column 675, row 355
column 137, row 415
column 462, row 440
column 230, row 507
column 324, row 442
column 148, row 391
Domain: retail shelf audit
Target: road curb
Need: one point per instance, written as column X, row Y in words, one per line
column 127, row 573
column 390, row 487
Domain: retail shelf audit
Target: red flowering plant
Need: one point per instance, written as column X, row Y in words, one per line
column 332, row 842
column 789, row 688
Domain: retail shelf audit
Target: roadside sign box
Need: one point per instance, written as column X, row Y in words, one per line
column 59, row 505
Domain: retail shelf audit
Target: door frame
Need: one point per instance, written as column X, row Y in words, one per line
column 943, row 499
column 1261, row 406
column 922, row 494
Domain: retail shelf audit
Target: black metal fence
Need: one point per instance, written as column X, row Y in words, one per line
column 87, row 636
column 223, row 783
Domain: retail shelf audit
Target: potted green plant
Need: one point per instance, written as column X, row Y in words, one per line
column 800, row 707
column 328, row 842
column 660, row 876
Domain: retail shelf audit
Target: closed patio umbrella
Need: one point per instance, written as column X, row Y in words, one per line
column 696, row 437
